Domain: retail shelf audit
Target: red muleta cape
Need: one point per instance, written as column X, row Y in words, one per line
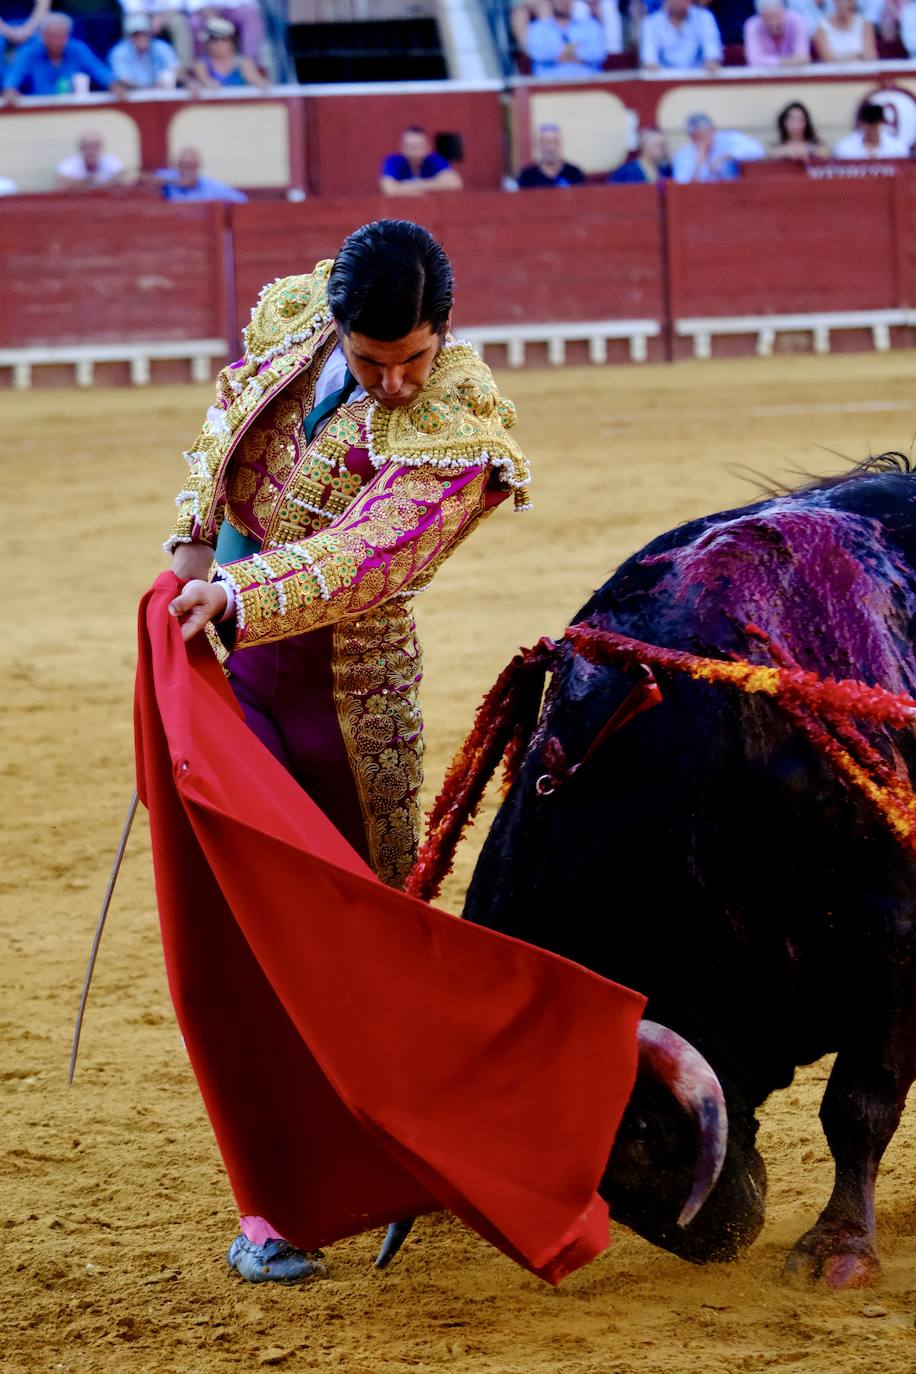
column 362, row 1056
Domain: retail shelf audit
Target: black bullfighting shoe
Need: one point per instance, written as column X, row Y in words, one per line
column 274, row 1262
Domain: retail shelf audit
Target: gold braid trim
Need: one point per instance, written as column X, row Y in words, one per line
column 290, row 323
column 458, row 420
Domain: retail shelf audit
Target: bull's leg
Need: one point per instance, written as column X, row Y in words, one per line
column 861, row 1109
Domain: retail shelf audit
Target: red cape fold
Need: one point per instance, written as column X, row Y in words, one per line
column 363, row 1057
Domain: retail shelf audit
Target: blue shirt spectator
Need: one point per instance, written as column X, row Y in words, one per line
column 48, row 63
column 416, row 169
column 397, row 167
column 680, row 35
column 184, row 181
column 711, row 154
column 565, row 48
column 141, row 61
column 652, row 164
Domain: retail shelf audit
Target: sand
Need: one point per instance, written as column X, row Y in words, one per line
column 117, row 1212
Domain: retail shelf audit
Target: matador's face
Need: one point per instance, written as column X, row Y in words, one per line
column 392, row 371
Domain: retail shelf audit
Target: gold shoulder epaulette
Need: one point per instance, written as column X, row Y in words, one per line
column 289, row 311
column 458, row 419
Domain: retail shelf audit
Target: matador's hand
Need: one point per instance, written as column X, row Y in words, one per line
column 198, row 603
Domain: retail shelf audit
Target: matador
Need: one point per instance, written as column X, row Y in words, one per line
column 349, row 452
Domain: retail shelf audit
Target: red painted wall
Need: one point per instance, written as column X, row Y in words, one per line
column 125, row 268
column 564, row 255
column 94, row 269
column 782, row 247
column 347, row 137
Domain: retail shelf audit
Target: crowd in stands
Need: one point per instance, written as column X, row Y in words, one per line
column 565, row 40
column 103, row 45
column 709, row 154
column 124, row 45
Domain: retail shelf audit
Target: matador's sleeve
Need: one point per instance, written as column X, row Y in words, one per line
column 200, row 503
column 404, row 522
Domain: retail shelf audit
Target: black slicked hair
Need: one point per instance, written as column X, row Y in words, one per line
column 389, row 278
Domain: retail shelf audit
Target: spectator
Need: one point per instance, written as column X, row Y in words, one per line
column 680, row 35
column 55, row 63
column 798, row 140
column 550, row 168
column 416, row 169
column 7, row 187
column 870, row 138
column 224, row 65
column 847, row 37
column 708, row 154
column 607, row 12
column 169, row 20
column 21, row 20
column 246, row 17
column 652, row 164
column 813, row 12
column 90, row 168
column 185, row 182
column 775, row 37
column 140, row 61
column 563, row 47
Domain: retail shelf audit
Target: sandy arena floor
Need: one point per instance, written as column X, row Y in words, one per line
column 116, row 1210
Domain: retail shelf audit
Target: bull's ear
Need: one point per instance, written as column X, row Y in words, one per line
column 673, row 1062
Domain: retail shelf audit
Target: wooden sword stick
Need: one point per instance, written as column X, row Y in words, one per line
column 100, row 926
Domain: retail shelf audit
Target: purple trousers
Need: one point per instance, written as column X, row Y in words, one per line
column 286, row 690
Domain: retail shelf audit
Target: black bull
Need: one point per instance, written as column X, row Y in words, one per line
column 712, row 856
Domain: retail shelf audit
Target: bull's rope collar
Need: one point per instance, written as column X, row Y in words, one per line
column 823, row 708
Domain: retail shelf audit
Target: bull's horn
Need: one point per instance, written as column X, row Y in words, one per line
column 671, row 1060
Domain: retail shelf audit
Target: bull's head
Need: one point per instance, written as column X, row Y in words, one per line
column 677, row 1174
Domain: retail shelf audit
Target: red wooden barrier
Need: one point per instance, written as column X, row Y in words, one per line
column 347, row 137
column 94, row 270
column 583, row 254
column 782, row 248
column 118, row 269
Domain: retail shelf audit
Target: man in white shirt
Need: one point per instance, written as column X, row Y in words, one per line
column 871, row 138
column 90, row 168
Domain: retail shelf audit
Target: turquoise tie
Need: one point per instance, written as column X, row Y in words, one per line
column 231, row 544
column 328, row 406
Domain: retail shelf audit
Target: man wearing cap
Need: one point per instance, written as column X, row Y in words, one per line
column 349, row 452
column 247, row 20
column 141, row 61
column 224, row 64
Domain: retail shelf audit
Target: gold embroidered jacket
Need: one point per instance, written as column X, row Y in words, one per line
column 350, row 526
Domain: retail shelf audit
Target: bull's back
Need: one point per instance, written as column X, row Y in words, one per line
column 710, row 854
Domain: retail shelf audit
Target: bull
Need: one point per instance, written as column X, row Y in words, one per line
column 711, row 853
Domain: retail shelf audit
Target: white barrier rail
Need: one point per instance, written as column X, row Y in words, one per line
column 83, row 358
column 703, row 330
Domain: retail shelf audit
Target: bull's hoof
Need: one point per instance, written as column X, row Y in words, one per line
column 826, row 1259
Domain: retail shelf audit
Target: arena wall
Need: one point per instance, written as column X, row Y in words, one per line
column 770, row 262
